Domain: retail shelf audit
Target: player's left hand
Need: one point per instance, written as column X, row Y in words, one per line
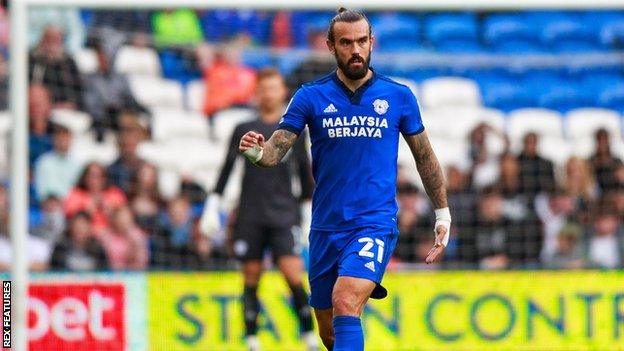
column 438, row 248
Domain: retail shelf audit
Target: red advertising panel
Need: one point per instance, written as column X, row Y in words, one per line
column 76, row 317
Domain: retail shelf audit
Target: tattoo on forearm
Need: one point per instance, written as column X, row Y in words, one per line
column 428, row 168
column 276, row 147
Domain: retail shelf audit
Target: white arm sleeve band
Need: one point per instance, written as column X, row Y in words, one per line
column 443, row 218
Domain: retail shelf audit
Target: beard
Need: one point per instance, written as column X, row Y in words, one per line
column 354, row 73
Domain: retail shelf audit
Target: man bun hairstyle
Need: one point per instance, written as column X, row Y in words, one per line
column 349, row 16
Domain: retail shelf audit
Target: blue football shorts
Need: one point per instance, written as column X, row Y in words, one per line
column 361, row 253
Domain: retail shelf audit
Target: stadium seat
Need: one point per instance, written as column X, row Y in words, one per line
column 582, row 124
column 5, row 123
column 541, row 121
column 173, row 123
column 609, row 92
column 222, row 24
column 569, row 33
column 257, row 59
column 501, row 29
column 156, row 92
column 85, row 149
column 506, row 95
column 138, row 61
column 396, row 32
column 195, row 94
column 86, row 60
column 225, row 121
column 458, row 122
column 76, row 121
column 452, row 32
column 449, row 91
column 562, row 95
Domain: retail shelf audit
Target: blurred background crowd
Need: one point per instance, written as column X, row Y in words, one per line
column 131, row 111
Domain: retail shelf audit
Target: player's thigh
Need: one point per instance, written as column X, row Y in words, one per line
column 323, row 269
column 350, row 295
column 248, row 241
column 291, row 267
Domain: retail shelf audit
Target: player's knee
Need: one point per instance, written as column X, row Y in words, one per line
column 345, row 304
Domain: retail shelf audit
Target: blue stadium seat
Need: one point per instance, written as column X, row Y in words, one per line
column 176, row 67
column 609, row 92
column 506, row 95
column 563, row 95
column 452, row 32
column 395, row 32
column 566, row 32
column 305, row 22
column 510, row 32
column 221, row 25
column 257, row 59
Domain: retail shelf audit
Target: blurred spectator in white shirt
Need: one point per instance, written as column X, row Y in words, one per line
column 605, row 242
column 57, row 171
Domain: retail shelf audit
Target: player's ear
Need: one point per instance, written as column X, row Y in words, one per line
column 331, row 46
column 372, row 41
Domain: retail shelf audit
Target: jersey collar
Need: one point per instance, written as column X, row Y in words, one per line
column 355, row 96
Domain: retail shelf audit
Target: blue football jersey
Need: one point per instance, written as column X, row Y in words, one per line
column 355, row 140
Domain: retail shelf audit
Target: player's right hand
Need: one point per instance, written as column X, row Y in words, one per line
column 250, row 140
column 210, row 223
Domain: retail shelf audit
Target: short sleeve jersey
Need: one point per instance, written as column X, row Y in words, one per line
column 355, row 139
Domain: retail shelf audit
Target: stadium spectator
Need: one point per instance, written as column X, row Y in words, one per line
column 228, row 82
column 461, row 197
column 580, row 184
column 94, row 195
column 281, row 30
column 144, row 197
column 52, row 66
column 79, row 250
column 536, row 173
column 57, row 171
column 4, row 26
column 66, row 19
column 604, row 163
column 176, row 27
column 554, row 211
column 125, row 244
column 318, row 63
column 485, row 165
column 606, row 242
column 4, row 84
column 414, row 222
column 38, row 250
column 569, row 253
column 123, row 21
column 515, row 204
column 108, row 94
column 39, row 110
column 485, row 243
column 123, row 170
column 51, row 222
column 175, row 242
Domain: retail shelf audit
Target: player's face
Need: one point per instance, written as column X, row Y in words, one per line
column 271, row 92
column 352, row 47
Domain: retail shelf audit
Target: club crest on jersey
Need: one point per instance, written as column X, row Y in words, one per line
column 381, row 106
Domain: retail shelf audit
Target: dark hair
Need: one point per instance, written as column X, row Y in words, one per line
column 82, row 181
column 348, row 16
column 267, row 73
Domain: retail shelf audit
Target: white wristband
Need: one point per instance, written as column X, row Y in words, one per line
column 254, row 154
column 443, row 218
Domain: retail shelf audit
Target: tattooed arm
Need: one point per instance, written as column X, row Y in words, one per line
column 271, row 152
column 433, row 180
column 428, row 168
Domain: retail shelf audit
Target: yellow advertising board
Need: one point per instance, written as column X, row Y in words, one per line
column 439, row 311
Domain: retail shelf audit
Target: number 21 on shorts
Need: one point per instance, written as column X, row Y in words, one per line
column 369, row 243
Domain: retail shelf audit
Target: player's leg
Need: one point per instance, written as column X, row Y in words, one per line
column 326, row 330
column 323, row 272
column 248, row 248
column 290, row 263
column 362, row 265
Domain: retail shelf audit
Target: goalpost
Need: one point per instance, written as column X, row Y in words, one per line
column 19, row 84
